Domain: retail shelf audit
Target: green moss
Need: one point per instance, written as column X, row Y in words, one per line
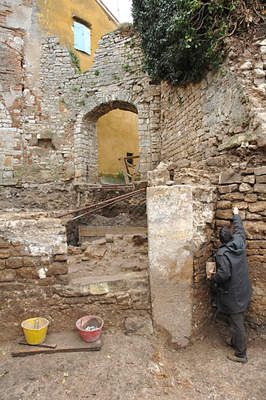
column 76, row 88
column 126, row 67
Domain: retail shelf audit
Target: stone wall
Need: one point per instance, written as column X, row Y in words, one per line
column 115, row 81
column 38, row 276
column 11, row 90
column 214, row 134
column 246, row 190
column 48, row 113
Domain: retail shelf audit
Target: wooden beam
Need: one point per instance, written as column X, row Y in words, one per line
column 92, row 231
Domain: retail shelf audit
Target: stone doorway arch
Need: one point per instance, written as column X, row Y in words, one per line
column 85, row 139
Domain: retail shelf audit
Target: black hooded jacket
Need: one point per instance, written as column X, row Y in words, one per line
column 233, row 286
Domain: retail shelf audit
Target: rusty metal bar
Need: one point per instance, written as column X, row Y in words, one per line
column 102, row 204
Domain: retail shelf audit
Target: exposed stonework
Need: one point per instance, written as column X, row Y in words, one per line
column 39, row 275
column 115, row 81
column 49, row 113
column 213, row 134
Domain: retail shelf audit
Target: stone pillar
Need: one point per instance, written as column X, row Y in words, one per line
column 170, row 230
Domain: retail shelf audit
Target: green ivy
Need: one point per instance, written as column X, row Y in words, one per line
column 182, row 39
column 75, row 60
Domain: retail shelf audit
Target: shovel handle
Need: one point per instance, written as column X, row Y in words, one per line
column 48, row 346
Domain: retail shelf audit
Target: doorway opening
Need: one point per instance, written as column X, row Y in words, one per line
column 118, row 147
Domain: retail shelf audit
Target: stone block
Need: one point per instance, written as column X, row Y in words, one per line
column 170, row 227
column 2, row 264
column 245, row 187
column 255, row 230
column 249, row 179
column 4, row 253
column 257, row 259
column 62, row 279
column 4, row 244
column 250, row 198
column 93, row 251
column 14, row 262
column 44, row 236
column 109, row 238
column 224, row 214
column 258, row 244
column 7, row 276
column 260, row 187
column 74, row 250
column 252, row 216
column 223, row 204
column 159, row 176
column 229, row 177
column 218, row 161
column 57, row 268
column 60, row 257
column 27, row 273
column 228, row 188
column 234, row 141
column 257, row 207
column 242, row 205
column 260, row 170
column 99, row 242
column 31, row 262
column 232, row 196
column 16, row 250
column 138, row 325
column 261, row 179
column 139, row 240
column 248, row 171
column 262, row 196
column 246, row 66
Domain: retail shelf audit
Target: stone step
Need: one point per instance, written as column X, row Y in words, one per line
column 105, row 284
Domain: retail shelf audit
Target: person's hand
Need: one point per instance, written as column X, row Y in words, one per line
column 210, row 274
column 235, row 211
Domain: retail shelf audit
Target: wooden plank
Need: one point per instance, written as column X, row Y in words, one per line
column 95, row 346
column 91, row 231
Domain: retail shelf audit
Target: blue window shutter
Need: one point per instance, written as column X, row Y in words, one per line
column 82, row 37
column 78, row 36
column 87, row 40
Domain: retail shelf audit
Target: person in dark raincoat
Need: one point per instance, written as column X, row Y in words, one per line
column 233, row 286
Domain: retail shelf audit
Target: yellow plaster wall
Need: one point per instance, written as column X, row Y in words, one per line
column 56, row 18
column 117, row 134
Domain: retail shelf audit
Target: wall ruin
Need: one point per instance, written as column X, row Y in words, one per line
column 213, row 133
column 47, row 131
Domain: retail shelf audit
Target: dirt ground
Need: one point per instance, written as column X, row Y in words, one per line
column 137, row 367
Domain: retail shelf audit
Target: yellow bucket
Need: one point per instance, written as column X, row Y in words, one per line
column 35, row 330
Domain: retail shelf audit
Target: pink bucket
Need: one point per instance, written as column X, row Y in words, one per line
column 90, row 328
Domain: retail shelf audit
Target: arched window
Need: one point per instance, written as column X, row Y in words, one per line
column 82, row 36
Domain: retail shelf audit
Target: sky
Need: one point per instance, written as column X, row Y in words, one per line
column 120, row 8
